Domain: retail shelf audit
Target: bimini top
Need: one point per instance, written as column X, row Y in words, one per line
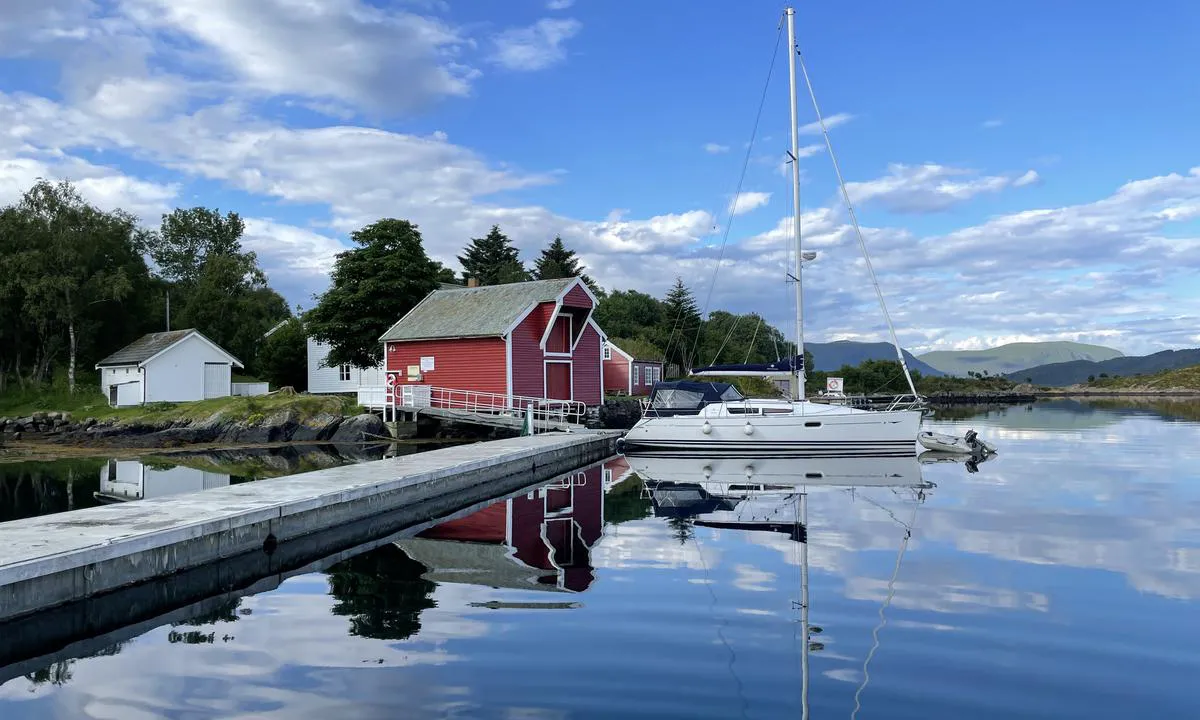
column 686, row 397
column 785, row 366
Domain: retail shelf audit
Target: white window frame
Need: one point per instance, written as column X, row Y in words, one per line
column 637, row 374
column 607, row 352
column 344, row 373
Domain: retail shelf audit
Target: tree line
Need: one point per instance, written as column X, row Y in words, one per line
column 78, row 283
column 389, row 272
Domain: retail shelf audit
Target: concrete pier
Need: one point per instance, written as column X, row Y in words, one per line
column 49, row 561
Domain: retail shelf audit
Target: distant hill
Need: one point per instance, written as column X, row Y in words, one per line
column 1184, row 378
column 1078, row 371
column 832, row 356
column 1014, row 356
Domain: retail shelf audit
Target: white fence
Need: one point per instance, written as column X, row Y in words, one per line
column 250, row 388
column 543, row 410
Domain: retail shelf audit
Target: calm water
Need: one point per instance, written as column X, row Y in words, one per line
column 30, row 489
column 1059, row 580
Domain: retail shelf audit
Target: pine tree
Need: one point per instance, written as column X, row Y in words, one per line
column 493, row 260
column 681, row 318
column 556, row 261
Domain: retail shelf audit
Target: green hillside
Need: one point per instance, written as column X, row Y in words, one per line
column 1187, row 378
column 1014, row 356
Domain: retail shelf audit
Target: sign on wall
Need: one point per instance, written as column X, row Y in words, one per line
column 414, row 372
column 427, row 364
column 833, row 384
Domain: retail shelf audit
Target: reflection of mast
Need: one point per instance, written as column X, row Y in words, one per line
column 804, row 608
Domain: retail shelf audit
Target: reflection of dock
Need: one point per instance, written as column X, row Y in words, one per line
column 782, row 472
column 539, row 541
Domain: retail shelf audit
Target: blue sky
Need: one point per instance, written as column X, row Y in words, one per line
column 1021, row 171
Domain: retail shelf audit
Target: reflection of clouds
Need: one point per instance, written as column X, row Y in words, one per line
column 752, row 579
column 917, row 595
column 252, row 674
column 650, row 544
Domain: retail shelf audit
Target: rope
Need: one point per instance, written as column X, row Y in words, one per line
column 753, row 338
column 854, row 221
column 728, row 335
column 741, row 178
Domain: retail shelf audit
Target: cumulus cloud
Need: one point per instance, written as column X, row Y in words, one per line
column 747, row 201
column 715, row 149
column 929, row 187
column 536, row 47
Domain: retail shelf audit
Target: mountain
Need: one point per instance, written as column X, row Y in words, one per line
column 1014, row 356
column 832, row 356
column 1078, row 371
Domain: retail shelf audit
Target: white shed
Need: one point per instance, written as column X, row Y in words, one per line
column 175, row 366
column 323, row 378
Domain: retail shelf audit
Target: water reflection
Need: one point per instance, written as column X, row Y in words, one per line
column 122, row 480
column 1066, row 567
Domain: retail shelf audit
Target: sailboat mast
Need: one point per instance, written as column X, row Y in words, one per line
column 798, row 385
column 804, row 633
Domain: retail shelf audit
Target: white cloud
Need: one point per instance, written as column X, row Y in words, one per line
column 345, row 50
column 559, row 4
column 814, row 127
column 1029, row 178
column 748, row 201
column 991, row 124
column 109, row 189
column 715, row 149
column 929, row 187
column 536, row 47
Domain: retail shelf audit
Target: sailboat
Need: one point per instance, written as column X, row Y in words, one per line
column 709, row 417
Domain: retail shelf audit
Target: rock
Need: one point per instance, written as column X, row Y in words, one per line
column 25, row 421
column 88, row 422
column 17, row 435
column 53, row 415
column 39, row 417
column 360, row 428
column 316, row 428
column 620, row 414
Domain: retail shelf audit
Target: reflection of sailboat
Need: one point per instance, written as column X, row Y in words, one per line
column 855, row 472
column 719, row 493
column 122, row 480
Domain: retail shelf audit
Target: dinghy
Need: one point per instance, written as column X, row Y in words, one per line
column 969, row 444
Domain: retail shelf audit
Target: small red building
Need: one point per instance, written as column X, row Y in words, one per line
column 625, row 374
column 532, row 339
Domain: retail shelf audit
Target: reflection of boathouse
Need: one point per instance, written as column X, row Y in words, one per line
column 538, row 541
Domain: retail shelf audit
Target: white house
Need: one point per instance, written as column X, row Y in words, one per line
column 339, row 378
column 174, row 366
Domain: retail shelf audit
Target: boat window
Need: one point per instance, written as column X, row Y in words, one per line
column 744, row 411
column 777, row 411
column 812, row 424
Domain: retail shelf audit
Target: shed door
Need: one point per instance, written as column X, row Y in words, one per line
column 216, row 380
column 558, row 380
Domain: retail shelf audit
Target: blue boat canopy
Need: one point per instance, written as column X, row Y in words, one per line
column 686, row 397
column 785, row 366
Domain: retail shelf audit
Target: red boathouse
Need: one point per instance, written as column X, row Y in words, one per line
column 532, row 339
column 626, row 375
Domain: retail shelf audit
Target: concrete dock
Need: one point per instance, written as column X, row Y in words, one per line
column 57, row 559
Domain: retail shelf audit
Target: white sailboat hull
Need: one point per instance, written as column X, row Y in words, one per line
column 808, row 430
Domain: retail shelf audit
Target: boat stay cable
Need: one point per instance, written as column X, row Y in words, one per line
column 731, row 210
column 854, row 221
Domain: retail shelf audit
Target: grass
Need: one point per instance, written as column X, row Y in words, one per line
column 88, row 402
column 1187, row 378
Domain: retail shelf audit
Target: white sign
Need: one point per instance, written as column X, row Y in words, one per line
column 414, row 372
column 833, row 385
column 427, row 364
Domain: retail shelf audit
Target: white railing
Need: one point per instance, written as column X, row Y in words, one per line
column 373, row 397
column 547, row 411
column 249, row 388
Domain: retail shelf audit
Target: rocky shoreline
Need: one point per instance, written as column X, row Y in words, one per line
column 283, row 426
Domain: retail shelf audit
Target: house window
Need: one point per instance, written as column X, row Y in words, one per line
column 637, row 374
column 607, row 353
column 344, row 373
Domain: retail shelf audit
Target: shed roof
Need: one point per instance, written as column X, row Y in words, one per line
column 487, row 311
column 151, row 344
